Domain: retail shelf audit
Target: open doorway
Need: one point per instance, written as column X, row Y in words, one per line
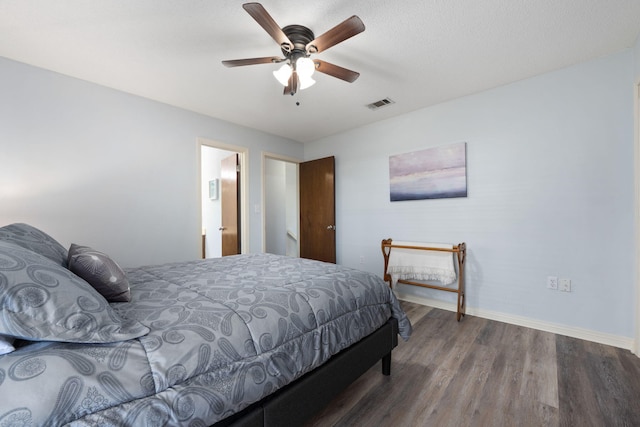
column 212, row 197
column 299, row 207
column 281, row 205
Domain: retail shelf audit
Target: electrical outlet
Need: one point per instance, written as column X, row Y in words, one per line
column 361, row 259
column 564, row 285
column 552, row 282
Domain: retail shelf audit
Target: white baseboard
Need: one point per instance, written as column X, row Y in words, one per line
column 569, row 331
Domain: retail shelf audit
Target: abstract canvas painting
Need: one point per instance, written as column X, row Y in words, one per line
column 434, row 173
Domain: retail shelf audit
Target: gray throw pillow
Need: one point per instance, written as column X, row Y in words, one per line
column 29, row 237
column 100, row 271
column 43, row 301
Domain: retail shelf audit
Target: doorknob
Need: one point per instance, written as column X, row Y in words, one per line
column 331, row 227
column 222, row 228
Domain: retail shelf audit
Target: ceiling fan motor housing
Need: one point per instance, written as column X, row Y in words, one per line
column 300, row 36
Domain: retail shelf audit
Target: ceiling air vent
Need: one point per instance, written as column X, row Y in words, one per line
column 381, row 103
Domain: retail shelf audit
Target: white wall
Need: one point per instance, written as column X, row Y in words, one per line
column 550, row 192
column 111, row 170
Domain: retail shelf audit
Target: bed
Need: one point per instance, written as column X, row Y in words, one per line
column 246, row 340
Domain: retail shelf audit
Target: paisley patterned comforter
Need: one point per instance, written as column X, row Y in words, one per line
column 224, row 333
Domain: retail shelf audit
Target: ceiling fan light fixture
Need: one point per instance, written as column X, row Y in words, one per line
column 283, row 74
column 305, row 81
column 305, row 67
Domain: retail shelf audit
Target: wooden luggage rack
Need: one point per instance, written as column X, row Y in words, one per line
column 460, row 251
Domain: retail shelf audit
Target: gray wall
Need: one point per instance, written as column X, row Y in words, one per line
column 550, row 192
column 275, row 205
column 281, row 207
column 550, row 174
column 99, row 167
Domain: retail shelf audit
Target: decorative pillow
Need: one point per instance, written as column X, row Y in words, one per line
column 38, row 241
column 99, row 271
column 6, row 344
column 42, row 301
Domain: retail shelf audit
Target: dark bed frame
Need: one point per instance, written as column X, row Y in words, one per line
column 297, row 402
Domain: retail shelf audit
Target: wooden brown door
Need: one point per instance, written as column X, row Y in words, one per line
column 317, row 210
column 230, row 201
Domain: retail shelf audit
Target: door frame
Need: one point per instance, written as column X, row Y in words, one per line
column 243, row 156
column 267, row 155
column 636, row 174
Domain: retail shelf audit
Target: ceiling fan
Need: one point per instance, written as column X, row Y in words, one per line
column 297, row 44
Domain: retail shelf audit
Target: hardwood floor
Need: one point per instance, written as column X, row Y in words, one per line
column 485, row 373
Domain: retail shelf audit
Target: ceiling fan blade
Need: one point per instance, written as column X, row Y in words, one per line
column 336, row 71
column 292, row 86
column 251, row 61
column 346, row 29
column 265, row 20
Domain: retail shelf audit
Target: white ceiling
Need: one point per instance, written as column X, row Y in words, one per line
column 416, row 52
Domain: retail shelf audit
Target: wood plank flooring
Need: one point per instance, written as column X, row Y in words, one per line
column 485, row 373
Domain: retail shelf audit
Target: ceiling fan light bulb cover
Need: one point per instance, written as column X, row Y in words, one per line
column 305, row 67
column 283, row 74
column 305, row 82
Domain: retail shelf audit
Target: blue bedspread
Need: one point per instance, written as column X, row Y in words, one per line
column 224, row 333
